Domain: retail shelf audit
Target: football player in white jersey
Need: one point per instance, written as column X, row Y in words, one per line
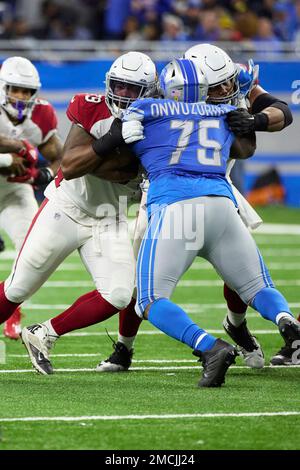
column 84, row 212
column 26, row 123
column 258, row 111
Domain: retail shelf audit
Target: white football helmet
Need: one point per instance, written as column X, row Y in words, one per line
column 18, row 72
column 137, row 72
column 183, row 80
column 218, row 68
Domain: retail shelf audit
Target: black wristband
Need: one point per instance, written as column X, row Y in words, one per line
column 112, row 139
column 261, row 122
column 45, row 176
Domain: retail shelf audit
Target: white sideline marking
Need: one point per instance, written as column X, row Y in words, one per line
column 134, row 369
column 160, row 417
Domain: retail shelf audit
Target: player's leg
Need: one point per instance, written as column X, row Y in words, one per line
column 239, row 262
column 108, row 257
column 235, row 325
column 50, row 239
column 287, row 355
column 20, row 207
column 129, row 321
column 172, row 241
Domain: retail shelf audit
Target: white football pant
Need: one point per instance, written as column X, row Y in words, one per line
column 105, row 249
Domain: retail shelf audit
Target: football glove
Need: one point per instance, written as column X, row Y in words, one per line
column 29, row 153
column 132, row 131
column 242, row 122
column 34, row 176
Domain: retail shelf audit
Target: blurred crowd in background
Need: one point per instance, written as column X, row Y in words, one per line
column 272, row 21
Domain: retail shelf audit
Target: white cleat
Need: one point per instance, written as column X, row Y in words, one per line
column 254, row 359
column 38, row 344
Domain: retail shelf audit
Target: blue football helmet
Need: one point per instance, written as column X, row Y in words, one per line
column 183, row 80
column 247, row 77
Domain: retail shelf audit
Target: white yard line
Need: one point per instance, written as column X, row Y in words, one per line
column 133, row 369
column 190, row 308
column 278, row 229
column 187, row 283
column 196, row 266
column 258, row 414
column 134, row 361
column 155, row 332
column 214, row 283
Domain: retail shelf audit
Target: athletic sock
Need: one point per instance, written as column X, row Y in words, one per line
column 269, row 302
column 234, row 302
column 7, row 307
column 129, row 321
column 89, row 309
column 172, row 320
column 236, row 319
column 127, row 341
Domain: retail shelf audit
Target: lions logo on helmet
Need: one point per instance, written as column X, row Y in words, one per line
column 183, row 80
column 20, row 73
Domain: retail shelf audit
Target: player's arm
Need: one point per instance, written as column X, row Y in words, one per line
column 15, row 156
column 8, row 145
column 78, row 156
column 278, row 113
column 52, row 152
column 82, row 154
column 267, row 113
column 12, row 164
column 244, row 146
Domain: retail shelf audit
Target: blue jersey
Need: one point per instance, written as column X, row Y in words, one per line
column 185, row 149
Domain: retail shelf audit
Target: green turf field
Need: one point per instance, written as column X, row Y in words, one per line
column 156, row 405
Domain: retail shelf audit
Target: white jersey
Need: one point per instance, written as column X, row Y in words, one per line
column 37, row 129
column 89, row 196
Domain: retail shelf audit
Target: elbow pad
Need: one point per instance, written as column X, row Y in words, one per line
column 266, row 100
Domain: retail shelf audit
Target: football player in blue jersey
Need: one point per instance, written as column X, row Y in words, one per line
column 185, row 149
column 267, row 113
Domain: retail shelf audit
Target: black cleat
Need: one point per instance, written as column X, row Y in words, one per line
column 240, row 335
column 2, row 245
column 250, row 349
column 215, row 363
column 289, row 329
column 284, row 357
column 118, row 361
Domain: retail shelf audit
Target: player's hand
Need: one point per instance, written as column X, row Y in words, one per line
column 17, row 167
column 132, row 131
column 29, row 153
column 29, row 176
column 241, row 122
